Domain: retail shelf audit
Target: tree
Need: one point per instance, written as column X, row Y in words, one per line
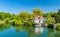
column 58, row 12
column 58, row 17
column 49, row 18
column 47, row 15
column 24, row 15
column 4, row 15
column 37, row 12
column 30, row 16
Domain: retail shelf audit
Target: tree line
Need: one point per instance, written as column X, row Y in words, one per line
column 52, row 17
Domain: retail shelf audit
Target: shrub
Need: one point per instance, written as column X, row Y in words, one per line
column 58, row 27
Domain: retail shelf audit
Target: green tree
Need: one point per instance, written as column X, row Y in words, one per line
column 58, row 12
column 24, row 15
column 37, row 12
column 49, row 18
column 58, row 17
column 30, row 16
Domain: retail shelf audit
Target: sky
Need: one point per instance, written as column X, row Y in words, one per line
column 17, row 6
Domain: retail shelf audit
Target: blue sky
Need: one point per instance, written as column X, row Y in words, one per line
column 16, row 6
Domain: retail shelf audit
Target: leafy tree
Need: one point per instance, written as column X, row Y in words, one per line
column 37, row 12
column 58, row 17
column 49, row 18
column 58, row 12
column 30, row 16
column 24, row 15
column 4, row 15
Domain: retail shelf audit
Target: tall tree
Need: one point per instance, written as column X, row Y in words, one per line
column 37, row 12
column 24, row 15
column 58, row 12
column 58, row 16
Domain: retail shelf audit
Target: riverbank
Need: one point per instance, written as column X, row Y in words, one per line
column 27, row 23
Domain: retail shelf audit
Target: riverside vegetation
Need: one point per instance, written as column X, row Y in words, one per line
column 24, row 18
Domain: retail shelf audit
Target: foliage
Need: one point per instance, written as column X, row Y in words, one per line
column 58, row 26
column 37, row 12
column 49, row 18
column 24, row 15
column 52, row 17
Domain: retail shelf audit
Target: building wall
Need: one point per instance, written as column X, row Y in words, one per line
column 37, row 20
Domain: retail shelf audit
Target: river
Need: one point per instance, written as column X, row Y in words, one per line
column 28, row 31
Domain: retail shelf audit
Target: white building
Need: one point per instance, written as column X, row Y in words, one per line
column 39, row 19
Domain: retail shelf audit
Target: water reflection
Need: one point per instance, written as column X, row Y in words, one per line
column 51, row 33
column 38, row 30
column 57, row 33
column 28, row 31
column 33, row 31
column 4, row 27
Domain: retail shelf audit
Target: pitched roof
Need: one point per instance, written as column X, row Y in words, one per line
column 38, row 17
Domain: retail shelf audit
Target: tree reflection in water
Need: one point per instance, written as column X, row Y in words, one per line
column 4, row 27
column 51, row 33
column 32, row 31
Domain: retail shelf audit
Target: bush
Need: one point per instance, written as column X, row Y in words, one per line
column 29, row 23
column 17, row 22
column 58, row 27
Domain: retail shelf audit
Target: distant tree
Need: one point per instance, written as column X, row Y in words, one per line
column 47, row 15
column 30, row 16
column 58, row 13
column 13, row 16
column 58, row 16
column 4, row 15
column 49, row 18
column 37, row 12
column 58, row 19
column 24, row 15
